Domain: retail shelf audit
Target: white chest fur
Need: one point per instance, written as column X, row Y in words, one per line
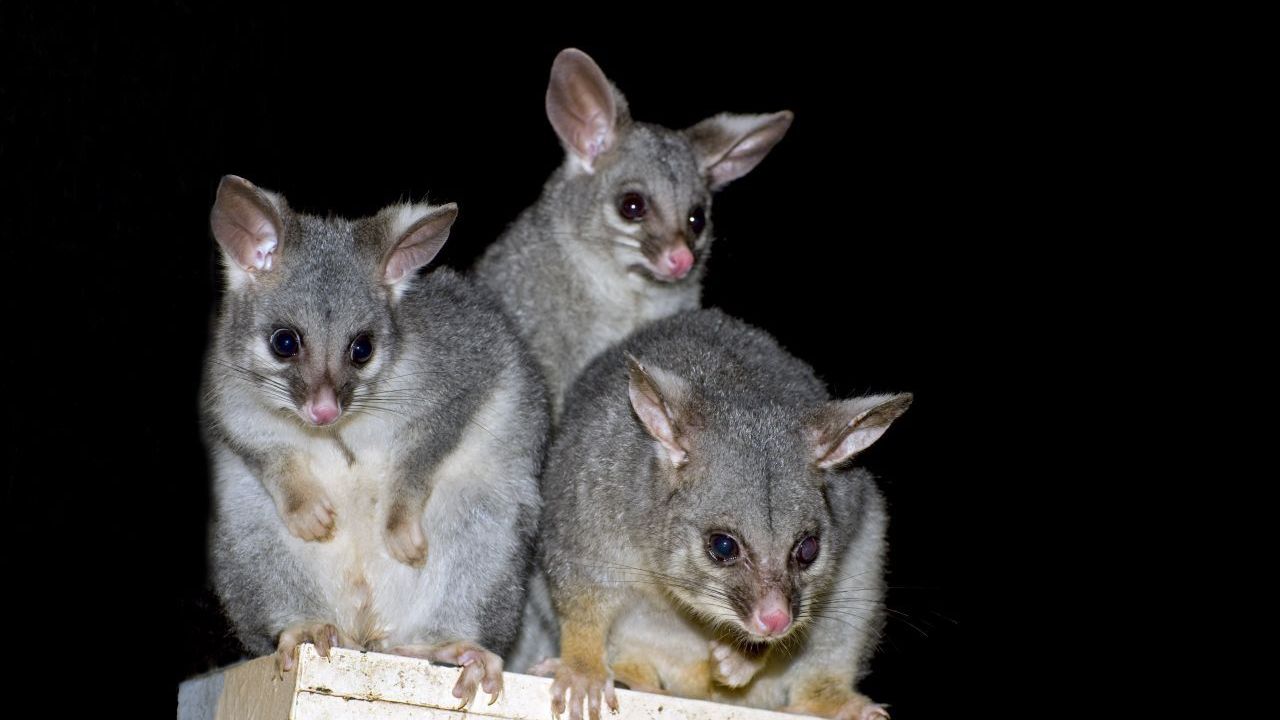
column 370, row 594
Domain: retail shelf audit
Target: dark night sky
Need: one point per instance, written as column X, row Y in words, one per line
column 860, row 243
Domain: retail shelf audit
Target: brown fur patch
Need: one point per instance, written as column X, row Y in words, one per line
column 367, row 630
column 637, row 674
column 822, row 695
column 692, row 680
column 583, row 632
column 294, row 490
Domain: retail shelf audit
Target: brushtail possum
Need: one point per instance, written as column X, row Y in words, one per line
column 706, row 532
column 375, row 439
column 621, row 233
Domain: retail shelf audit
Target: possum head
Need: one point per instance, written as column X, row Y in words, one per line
column 639, row 193
column 308, row 308
column 759, row 501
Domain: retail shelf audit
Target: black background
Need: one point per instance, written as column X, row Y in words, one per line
column 862, row 242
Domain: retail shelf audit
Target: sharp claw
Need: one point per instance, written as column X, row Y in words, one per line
column 593, row 704
column 324, row 640
column 611, row 699
column 468, row 683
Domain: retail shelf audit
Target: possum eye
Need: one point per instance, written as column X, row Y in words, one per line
column 723, row 548
column 631, row 206
column 807, row 551
column 697, row 220
column 361, row 349
column 285, row 343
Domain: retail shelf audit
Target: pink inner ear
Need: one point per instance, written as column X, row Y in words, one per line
column 864, row 421
column 748, row 139
column 654, row 413
column 651, row 412
column 420, row 244
column 852, row 443
column 592, row 138
column 244, row 228
column 580, row 105
column 404, row 261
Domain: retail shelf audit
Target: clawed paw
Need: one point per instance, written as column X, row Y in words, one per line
column 875, row 712
column 323, row 635
column 481, row 669
column 405, row 539
column 312, row 519
column 572, row 686
column 863, row 710
column 731, row 668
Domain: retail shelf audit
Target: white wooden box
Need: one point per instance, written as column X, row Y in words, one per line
column 350, row 684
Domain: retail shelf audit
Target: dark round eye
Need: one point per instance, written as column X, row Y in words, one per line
column 723, row 547
column 285, row 343
column 631, row 206
column 697, row 220
column 361, row 349
column 807, row 550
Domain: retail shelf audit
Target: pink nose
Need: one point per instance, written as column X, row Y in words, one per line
column 773, row 621
column 322, row 408
column 677, row 262
column 324, row 414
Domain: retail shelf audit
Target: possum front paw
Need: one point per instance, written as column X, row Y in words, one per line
column 835, row 699
column 480, row 668
column 307, row 513
column 732, row 668
column 580, row 683
column 323, row 635
column 861, row 708
column 405, row 540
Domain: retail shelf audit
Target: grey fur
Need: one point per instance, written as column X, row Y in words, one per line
column 624, row 525
column 444, row 356
column 562, row 270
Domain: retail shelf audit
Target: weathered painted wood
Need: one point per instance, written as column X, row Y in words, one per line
column 351, row 685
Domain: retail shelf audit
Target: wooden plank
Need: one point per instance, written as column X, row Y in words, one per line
column 252, row 692
column 312, row 706
column 354, row 685
column 246, row 691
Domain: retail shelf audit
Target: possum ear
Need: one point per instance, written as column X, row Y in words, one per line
column 840, row 430
column 582, row 107
column 660, row 400
column 248, row 224
column 416, row 233
column 730, row 146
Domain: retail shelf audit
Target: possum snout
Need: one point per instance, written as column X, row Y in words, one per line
column 771, row 617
